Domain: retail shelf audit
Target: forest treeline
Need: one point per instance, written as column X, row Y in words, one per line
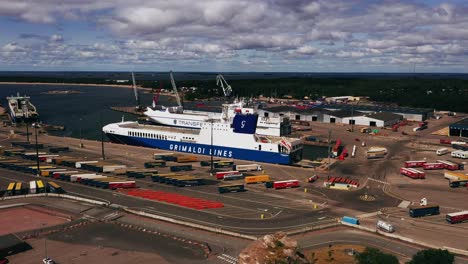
column 440, row 94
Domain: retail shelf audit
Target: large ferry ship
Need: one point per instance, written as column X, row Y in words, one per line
column 179, row 117
column 21, row 109
column 236, row 140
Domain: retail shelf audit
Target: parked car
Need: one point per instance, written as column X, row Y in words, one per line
column 48, row 261
column 312, row 178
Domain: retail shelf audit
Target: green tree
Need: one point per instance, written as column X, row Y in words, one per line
column 432, row 256
column 375, row 256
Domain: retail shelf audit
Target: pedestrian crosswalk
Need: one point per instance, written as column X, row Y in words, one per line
column 227, row 258
column 111, row 216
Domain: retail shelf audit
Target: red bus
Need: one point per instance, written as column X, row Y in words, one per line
column 449, row 165
column 434, row 166
column 286, row 184
column 414, row 163
column 412, row 173
column 458, row 217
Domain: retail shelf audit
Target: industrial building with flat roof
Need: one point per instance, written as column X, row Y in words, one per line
column 348, row 115
column 409, row 113
column 459, row 129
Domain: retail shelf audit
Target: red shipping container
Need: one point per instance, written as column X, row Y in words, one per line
column 286, row 184
column 220, row 175
column 445, row 141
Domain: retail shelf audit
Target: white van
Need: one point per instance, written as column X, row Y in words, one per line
column 442, row 151
column 385, row 226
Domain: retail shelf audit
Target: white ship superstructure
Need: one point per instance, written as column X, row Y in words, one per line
column 178, row 117
column 21, row 109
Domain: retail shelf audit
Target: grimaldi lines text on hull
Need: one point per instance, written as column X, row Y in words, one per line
column 236, row 140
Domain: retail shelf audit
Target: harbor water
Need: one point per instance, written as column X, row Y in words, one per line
column 85, row 112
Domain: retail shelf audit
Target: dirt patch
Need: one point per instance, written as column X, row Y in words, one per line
column 18, row 219
column 336, row 254
column 102, row 235
column 63, row 252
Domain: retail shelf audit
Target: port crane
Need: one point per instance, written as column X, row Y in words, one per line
column 135, row 91
column 179, row 103
column 157, row 93
column 220, row 81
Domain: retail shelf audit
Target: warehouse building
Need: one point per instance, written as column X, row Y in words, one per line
column 410, row 114
column 342, row 99
column 459, row 129
column 293, row 113
column 347, row 117
column 341, row 116
column 381, row 119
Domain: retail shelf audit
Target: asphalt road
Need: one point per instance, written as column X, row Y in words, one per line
column 250, row 226
column 347, row 236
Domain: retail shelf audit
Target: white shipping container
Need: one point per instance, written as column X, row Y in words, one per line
column 442, row 151
column 385, row 226
column 32, row 187
column 78, row 164
column 34, row 153
column 111, row 168
column 377, row 149
column 249, row 167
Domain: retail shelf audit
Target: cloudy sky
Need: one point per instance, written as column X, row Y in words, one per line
column 235, row 35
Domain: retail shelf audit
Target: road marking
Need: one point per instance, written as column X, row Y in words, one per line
column 275, row 215
column 404, row 204
column 383, row 182
column 111, row 216
column 88, row 217
column 368, row 214
column 228, row 258
column 321, row 218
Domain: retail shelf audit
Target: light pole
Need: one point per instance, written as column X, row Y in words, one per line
column 81, row 142
column 102, row 139
column 27, row 131
column 26, row 121
column 329, row 150
column 36, row 126
column 211, row 150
